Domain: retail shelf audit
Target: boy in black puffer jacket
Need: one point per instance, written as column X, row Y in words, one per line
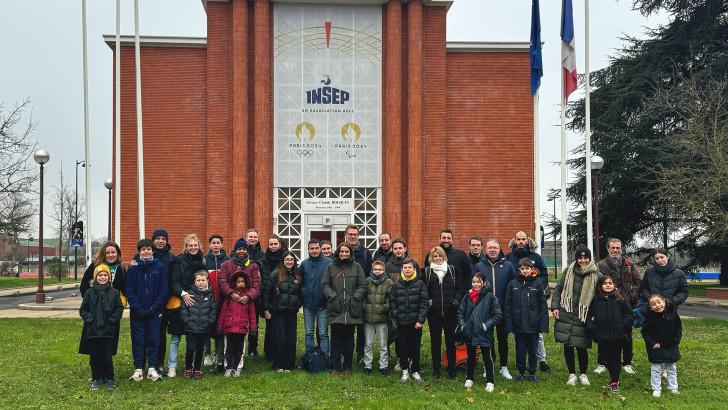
column 199, row 319
column 408, row 303
column 526, row 315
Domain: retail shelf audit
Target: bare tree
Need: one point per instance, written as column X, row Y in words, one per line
column 62, row 215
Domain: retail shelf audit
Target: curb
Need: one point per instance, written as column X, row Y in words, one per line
column 32, row 306
column 708, row 303
column 27, row 292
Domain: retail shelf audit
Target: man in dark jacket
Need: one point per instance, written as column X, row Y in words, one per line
column 626, row 280
column 162, row 253
column 499, row 272
column 399, row 253
column 363, row 257
column 252, row 237
column 475, row 254
column 384, row 252
column 455, row 257
column 315, row 313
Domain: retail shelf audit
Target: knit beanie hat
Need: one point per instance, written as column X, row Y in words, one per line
column 160, row 232
column 241, row 243
column 102, row 268
column 582, row 250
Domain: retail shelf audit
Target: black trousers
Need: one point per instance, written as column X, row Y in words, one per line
column 162, row 352
column 195, row 350
column 342, row 346
column 438, row 324
column 253, row 336
column 502, row 334
column 526, row 344
column 409, row 341
column 569, row 357
column 626, row 348
column 234, row 350
column 284, row 340
column 487, row 353
column 612, row 352
column 100, row 358
column 360, row 339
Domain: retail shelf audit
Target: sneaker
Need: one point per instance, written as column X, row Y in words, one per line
column 137, row 376
column 188, row 373
column 229, row 372
column 384, row 372
column 405, row 377
column 286, row 371
column 489, row 387
column 600, row 369
column 397, row 367
column 614, row 387
column 572, row 380
column 172, row 373
column 521, row 377
column 367, row 371
column 208, row 361
column 584, row 380
column 417, row 378
column 110, row 384
column 656, row 393
column 545, row 367
column 96, row 385
column 153, row 375
column 532, row 378
column 505, row 373
column 468, row 385
column 629, row 369
column 236, row 373
column 196, row 375
column 280, row 370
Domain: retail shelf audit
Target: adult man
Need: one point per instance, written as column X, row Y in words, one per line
column 384, row 252
column 363, row 257
column 215, row 257
column 499, row 272
column 524, row 247
column 475, row 253
column 251, row 237
column 326, row 248
column 455, row 257
column 315, row 312
column 160, row 239
column 399, row 253
column 627, row 282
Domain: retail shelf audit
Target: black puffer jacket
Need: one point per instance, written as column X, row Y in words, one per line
column 478, row 319
column 525, row 308
column 408, row 302
column 183, row 269
column 101, row 311
column 283, row 296
column 201, row 316
column 666, row 329
column 609, row 319
column 445, row 296
column 668, row 281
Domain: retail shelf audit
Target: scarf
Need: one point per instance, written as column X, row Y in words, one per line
column 588, row 288
column 112, row 269
column 664, row 270
column 241, row 262
column 440, row 270
column 377, row 279
column 404, row 278
column 100, row 309
column 473, row 295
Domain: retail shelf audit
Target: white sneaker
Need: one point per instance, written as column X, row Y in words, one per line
column 208, row 361
column 228, row 373
column 600, row 369
column 138, row 375
column 629, row 369
column 236, row 373
column 405, row 377
column 505, row 373
column 153, row 375
column 584, row 380
column 572, row 380
column 489, row 387
column 416, row 377
column 656, row 393
column 397, row 367
column 468, row 385
column 172, row 373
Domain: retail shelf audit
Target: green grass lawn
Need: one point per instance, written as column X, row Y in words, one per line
column 39, row 368
column 11, row 282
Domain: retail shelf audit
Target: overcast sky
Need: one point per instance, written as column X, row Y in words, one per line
column 42, row 44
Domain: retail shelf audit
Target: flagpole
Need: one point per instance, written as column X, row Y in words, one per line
column 140, row 136
column 117, row 127
column 86, row 143
column 536, row 176
column 587, row 132
column 564, row 249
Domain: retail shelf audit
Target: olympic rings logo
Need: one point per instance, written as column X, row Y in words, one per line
column 304, row 153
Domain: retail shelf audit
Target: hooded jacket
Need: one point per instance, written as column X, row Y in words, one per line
column 666, row 329
column 609, row 319
column 312, row 272
column 529, row 251
column 408, row 302
column 344, row 287
column 237, row 317
column 668, row 281
column 525, row 307
column 146, row 286
column 499, row 274
column 478, row 319
column 101, row 310
column 201, row 316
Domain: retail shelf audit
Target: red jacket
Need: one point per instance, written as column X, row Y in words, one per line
column 227, row 287
column 237, row 317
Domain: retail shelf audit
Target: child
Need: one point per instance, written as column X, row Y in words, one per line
column 376, row 316
column 526, row 315
column 609, row 320
column 478, row 313
column 408, row 303
column 199, row 318
column 146, row 290
column 101, row 310
column 662, row 333
column 235, row 321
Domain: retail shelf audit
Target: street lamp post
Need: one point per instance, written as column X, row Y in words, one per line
column 75, row 248
column 109, row 184
column 41, row 157
column 553, row 199
column 597, row 163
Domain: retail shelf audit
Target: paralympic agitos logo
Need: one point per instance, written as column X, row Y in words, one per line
column 327, row 94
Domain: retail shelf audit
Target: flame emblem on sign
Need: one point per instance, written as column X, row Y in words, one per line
column 354, row 127
column 308, row 127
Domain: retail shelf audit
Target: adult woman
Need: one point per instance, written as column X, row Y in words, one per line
column 110, row 255
column 445, row 287
column 664, row 279
column 344, row 286
column 182, row 269
column 282, row 299
column 570, row 303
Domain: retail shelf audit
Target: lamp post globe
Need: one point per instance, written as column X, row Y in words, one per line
column 597, row 162
column 41, row 156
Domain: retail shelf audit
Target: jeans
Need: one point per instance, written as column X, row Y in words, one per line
column 145, row 340
column 541, row 349
column 656, row 372
column 173, row 351
column 380, row 331
column 312, row 319
column 234, row 350
column 526, row 343
column 502, row 333
column 611, row 351
column 409, row 341
column 569, row 357
column 102, row 364
column 342, row 346
column 438, row 326
column 284, row 340
column 487, row 353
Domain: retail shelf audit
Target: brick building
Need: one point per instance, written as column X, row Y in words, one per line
column 298, row 119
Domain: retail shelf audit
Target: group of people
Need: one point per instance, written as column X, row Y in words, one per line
column 473, row 298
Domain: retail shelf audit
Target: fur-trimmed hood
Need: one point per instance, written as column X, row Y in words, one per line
column 532, row 245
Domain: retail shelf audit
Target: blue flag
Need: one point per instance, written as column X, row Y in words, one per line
column 535, row 50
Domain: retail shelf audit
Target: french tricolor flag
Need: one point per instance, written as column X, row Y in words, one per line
column 568, row 52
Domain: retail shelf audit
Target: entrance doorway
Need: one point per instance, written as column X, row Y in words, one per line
column 325, row 227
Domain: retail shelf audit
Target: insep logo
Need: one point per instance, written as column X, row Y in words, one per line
column 327, row 94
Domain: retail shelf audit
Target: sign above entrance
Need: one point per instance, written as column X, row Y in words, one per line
column 327, row 205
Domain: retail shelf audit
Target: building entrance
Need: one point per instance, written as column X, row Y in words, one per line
column 325, row 227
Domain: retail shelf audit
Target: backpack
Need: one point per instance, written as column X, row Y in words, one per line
column 314, row 362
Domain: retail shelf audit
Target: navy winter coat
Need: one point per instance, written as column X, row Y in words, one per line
column 525, row 308
column 312, row 271
column 527, row 252
column 478, row 319
column 146, row 286
column 499, row 274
